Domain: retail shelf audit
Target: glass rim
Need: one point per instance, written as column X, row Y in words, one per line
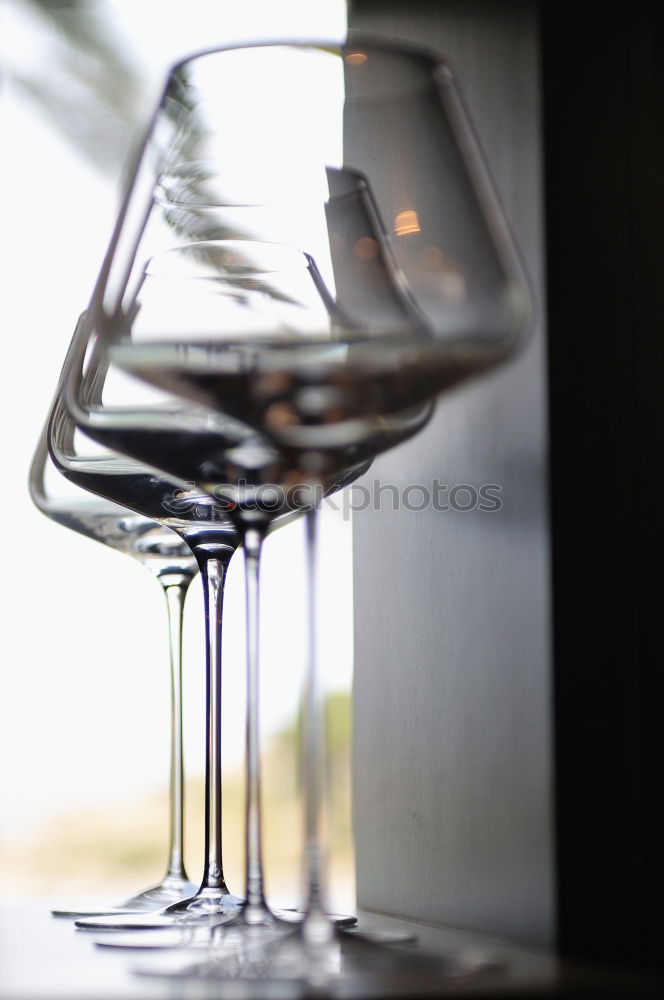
column 403, row 47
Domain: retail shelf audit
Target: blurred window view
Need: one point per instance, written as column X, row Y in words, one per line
column 84, row 713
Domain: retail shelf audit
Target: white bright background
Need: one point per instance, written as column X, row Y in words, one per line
column 83, row 715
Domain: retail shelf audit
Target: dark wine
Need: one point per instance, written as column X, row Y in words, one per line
column 295, row 432
column 180, row 514
column 344, row 401
column 225, row 483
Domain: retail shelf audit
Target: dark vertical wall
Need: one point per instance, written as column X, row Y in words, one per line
column 603, row 128
column 453, row 731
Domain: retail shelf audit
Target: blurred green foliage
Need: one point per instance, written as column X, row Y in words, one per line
column 81, row 76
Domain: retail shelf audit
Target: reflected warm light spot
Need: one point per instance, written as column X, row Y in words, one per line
column 281, row 415
column 356, row 58
column 406, row 222
column 365, row 248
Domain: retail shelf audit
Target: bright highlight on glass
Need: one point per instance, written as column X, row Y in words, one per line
column 407, row 222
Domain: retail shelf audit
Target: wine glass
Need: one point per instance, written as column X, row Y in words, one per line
column 173, row 566
column 368, row 144
column 254, row 305
column 226, row 450
column 188, row 532
column 209, row 539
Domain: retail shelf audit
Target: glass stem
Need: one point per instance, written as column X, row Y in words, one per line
column 312, row 746
column 255, row 907
column 213, row 560
column 175, row 588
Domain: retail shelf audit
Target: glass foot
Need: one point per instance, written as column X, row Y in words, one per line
column 172, row 889
column 197, row 933
column 205, row 906
column 214, row 936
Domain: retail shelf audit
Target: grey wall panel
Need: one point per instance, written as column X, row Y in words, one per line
column 452, row 753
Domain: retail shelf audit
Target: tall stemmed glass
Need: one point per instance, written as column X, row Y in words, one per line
column 220, row 450
column 370, row 143
column 201, row 531
column 210, row 540
column 173, row 566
